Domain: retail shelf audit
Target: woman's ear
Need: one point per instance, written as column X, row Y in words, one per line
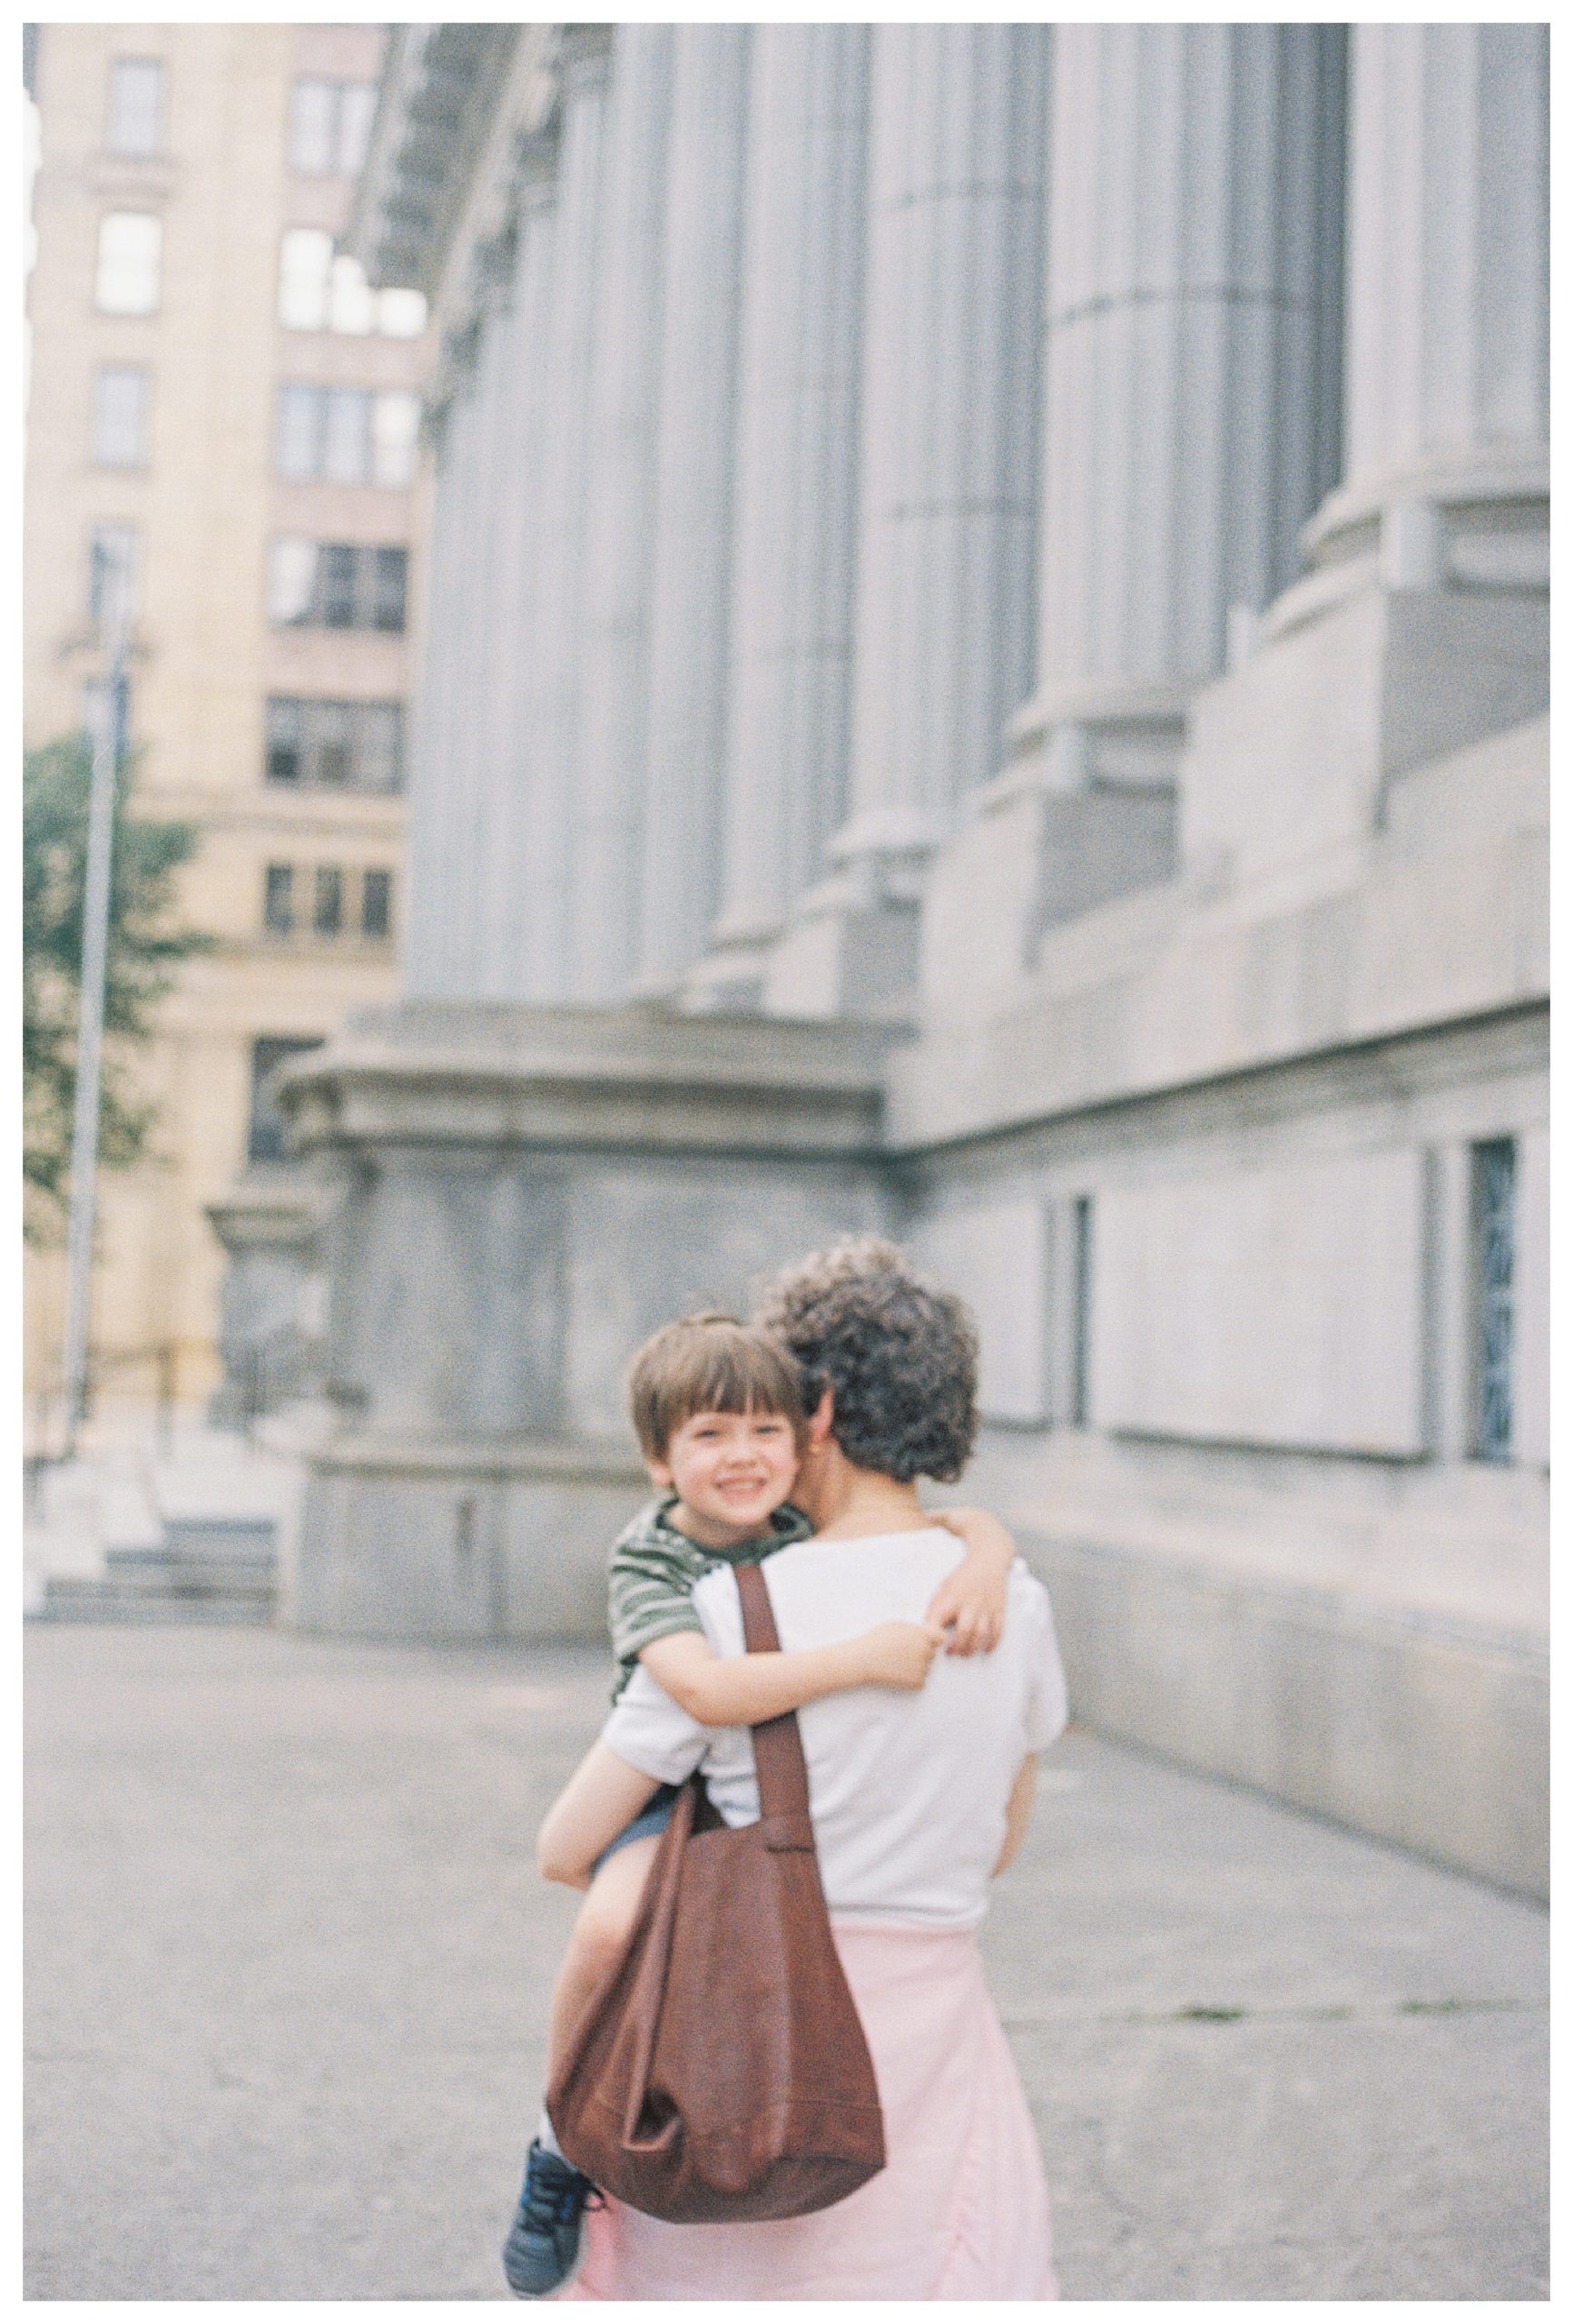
column 823, row 1418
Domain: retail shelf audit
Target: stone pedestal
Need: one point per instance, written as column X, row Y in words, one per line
column 272, row 1312
column 521, row 1195
column 942, row 645
column 797, row 465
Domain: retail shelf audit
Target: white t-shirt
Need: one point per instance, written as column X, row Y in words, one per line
column 908, row 1790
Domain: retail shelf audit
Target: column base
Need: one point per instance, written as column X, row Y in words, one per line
column 1354, row 685
column 731, row 978
column 270, row 1320
column 1042, row 855
column 850, row 952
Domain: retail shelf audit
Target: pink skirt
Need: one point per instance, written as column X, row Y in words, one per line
column 960, row 2211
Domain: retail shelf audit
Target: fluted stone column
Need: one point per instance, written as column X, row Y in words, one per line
column 428, row 941
column 686, row 732
column 559, row 460
column 1191, row 367
column 456, row 778
column 619, row 522
column 943, row 626
column 1447, row 379
column 788, row 726
column 504, row 835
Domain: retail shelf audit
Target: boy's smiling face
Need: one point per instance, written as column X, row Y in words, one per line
column 729, row 1471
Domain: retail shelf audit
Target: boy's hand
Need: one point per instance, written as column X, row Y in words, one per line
column 970, row 1602
column 897, row 1654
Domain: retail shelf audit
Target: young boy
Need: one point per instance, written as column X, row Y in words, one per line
column 718, row 1410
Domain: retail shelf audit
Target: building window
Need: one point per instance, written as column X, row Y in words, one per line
column 129, row 262
column 120, row 416
column 321, row 291
column 1081, row 1312
column 136, row 107
column 112, row 576
column 328, row 905
column 389, row 584
column 330, row 126
column 265, row 1134
column 278, row 900
column 1493, row 1173
column 334, row 746
column 376, row 905
column 335, row 585
column 395, row 425
column 346, row 436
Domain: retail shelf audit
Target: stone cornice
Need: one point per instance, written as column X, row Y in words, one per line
column 430, row 1073
column 461, row 111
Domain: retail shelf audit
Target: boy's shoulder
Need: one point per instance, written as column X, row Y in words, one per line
column 652, row 1534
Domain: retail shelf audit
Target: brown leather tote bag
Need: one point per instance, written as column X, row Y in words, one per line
column 723, row 2072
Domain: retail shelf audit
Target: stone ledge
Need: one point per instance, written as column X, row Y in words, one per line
column 436, row 1073
column 1429, row 1732
column 580, row 1462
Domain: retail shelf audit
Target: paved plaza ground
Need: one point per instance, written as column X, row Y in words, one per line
column 288, row 1960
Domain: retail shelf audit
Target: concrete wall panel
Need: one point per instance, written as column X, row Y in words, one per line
column 1273, row 1306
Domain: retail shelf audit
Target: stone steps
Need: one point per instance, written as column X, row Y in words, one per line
column 205, row 1570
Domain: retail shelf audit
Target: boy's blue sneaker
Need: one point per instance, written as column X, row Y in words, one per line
column 543, row 2246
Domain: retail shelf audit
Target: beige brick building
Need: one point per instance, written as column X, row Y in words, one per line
column 217, row 399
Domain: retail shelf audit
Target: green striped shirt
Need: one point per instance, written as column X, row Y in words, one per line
column 653, row 1571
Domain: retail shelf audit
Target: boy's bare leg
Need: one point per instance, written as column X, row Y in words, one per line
column 599, row 1934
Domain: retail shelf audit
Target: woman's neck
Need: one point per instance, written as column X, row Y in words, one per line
column 850, row 1502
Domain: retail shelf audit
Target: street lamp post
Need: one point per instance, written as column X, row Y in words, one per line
column 110, row 595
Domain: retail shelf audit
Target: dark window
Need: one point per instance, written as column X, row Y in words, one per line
column 1493, row 1173
column 265, row 1133
column 376, row 904
column 136, row 106
column 334, row 746
column 335, row 585
column 278, row 900
column 336, row 592
column 327, row 907
column 390, row 569
column 335, row 726
column 1081, row 1312
column 286, row 739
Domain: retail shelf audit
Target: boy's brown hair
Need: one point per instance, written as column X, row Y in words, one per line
column 709, row 1363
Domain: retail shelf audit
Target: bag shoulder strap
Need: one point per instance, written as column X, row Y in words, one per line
column 778, row 1745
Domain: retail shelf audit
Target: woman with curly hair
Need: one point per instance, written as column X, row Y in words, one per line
column 918, row 1800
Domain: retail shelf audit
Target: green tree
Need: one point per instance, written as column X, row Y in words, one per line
column 143, row 951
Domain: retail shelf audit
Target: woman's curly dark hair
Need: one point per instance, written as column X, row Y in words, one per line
column 899, row 1354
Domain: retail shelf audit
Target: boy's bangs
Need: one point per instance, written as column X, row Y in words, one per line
column 741, row 1376
column 709, row 1364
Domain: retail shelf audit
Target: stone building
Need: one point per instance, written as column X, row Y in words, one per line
column 986, row 674
column 226, row 411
